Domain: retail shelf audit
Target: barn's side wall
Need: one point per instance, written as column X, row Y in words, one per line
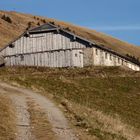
column 59, row 50
column 46, row 49
column 97, row 57
column 40, row 43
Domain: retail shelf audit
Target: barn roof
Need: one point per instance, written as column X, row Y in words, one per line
column 51, row 27
column 43, row 27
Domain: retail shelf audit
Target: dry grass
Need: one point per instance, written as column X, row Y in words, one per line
column 9, row 31
column 102, row 103
column 7, row 119
column 41, row 128
column 98, row 124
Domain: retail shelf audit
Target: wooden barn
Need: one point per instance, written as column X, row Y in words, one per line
column 52, row 46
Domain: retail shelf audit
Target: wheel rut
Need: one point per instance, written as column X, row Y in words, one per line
column 23, row 118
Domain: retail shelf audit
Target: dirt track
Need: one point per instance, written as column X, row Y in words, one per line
column 56, row 118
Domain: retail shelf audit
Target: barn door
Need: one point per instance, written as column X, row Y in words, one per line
column 77, row 56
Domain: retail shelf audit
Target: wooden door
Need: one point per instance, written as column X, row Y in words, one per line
column 77, row 58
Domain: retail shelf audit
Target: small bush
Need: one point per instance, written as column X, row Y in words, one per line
column 30, row 24
column 43, row 20
column 68, row 29
column 7, row 19
column 133, row 58
column 52, row 23
column 38, row 23
column 37, row 18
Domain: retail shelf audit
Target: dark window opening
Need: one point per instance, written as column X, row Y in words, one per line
column 106, row 56
column 11, row 45
column 96, row 51
column 122, row 62
column 110, row 57
column 119, row 60
column 22, row 57
column 76, row 55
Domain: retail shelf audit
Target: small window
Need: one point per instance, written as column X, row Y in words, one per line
column 110, row 57
column 11, row 45
column 96, row 51
column 22, row 57
column 76, row 55
column 119, row 60
column 106, row 55
column 126, row 63
column 122, row 61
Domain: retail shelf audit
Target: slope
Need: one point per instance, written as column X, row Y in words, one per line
column 101, row 103
column 19, row 23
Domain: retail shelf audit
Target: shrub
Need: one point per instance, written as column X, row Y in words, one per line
column 30, row 24
column 68, row 29
column 38, row 23
column 7, row 19
column 52, row 23
column 43, row 20
column 133, row 58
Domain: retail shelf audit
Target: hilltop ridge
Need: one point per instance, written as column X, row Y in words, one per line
column 13, row 24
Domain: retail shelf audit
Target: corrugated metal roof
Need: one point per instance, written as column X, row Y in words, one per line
column 46, row 26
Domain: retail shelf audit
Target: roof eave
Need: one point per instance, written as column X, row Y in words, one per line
column 45, row 30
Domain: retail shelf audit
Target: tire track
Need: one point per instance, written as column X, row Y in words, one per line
column 23, row 118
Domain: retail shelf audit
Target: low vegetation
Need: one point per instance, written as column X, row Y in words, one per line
column 102, row 103
column 7, row 119
column 41, row 128
column 6, row 18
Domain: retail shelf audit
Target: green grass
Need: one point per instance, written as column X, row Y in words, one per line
column 113, row 91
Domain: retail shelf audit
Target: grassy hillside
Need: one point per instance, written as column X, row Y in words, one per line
column 101, row 102
column 19, row 22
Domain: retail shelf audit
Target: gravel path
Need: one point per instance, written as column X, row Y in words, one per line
column 55, row 116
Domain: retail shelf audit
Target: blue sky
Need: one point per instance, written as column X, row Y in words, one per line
column 119, row 18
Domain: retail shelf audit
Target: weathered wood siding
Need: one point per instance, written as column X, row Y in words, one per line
column 41, row 42
column 47, row 49
column 58, row 50
column 46, row 59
